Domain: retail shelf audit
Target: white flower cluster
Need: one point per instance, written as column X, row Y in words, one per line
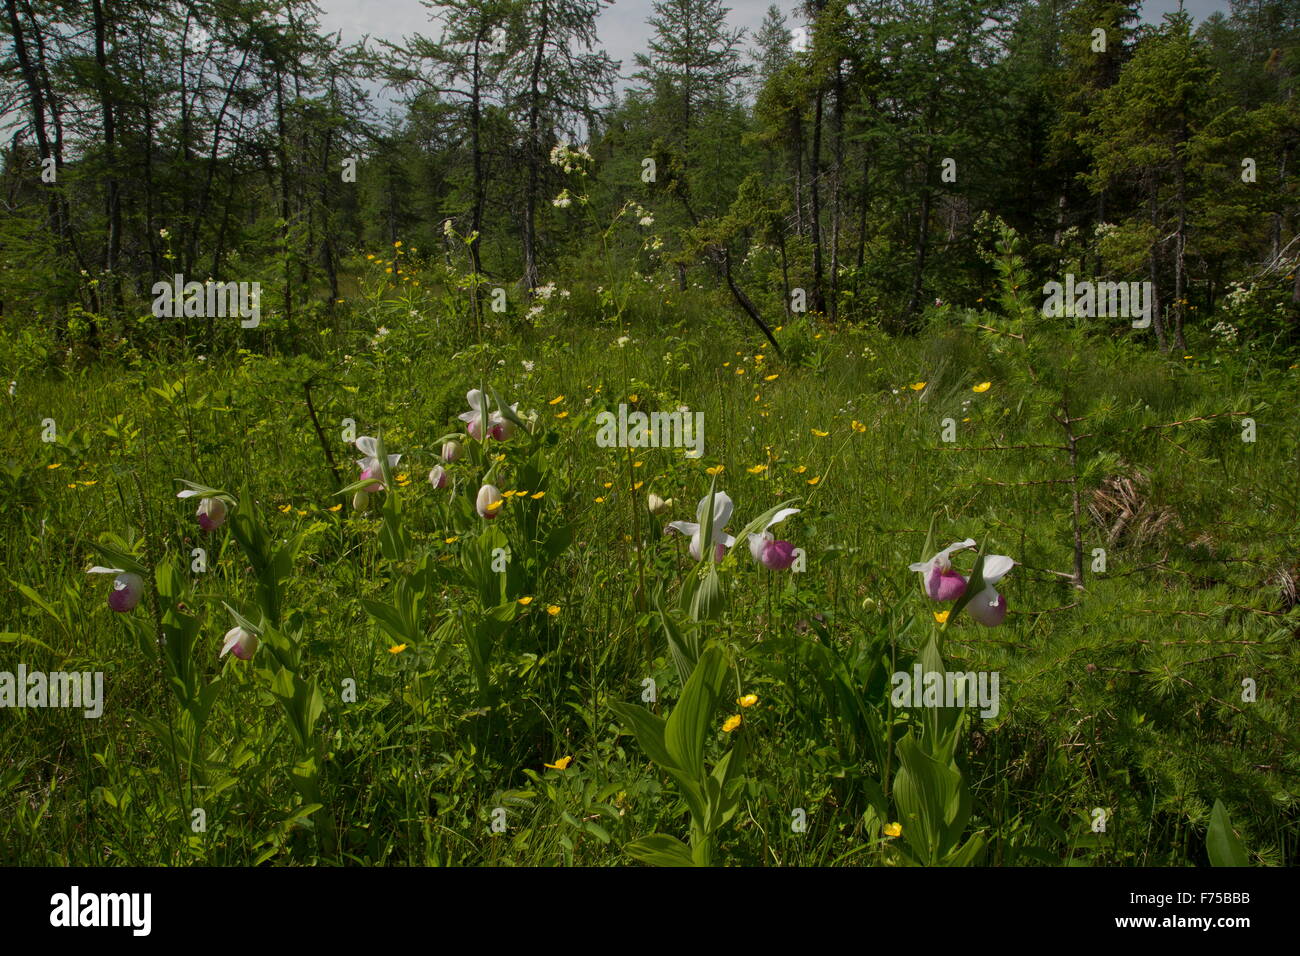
column 1226, row 332
column 570, row 159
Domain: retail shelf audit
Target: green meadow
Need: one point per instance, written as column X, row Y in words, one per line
column 406, row 698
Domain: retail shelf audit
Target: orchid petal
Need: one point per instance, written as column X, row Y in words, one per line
column 996, row 567
column 780, row 516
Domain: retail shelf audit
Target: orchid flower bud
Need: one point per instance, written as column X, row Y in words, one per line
column 450, row 451
column 438, row 477
column 657, row 505
column 489, row 502
column 243, row 643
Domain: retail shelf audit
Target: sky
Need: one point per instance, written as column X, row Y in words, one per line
column 622, row 27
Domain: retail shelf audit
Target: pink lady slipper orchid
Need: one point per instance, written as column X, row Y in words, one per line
column 766, row 550
column 722, row 510
column 211, row 514
column 489, row 502
column 942, row 583
column 241, row 641
column 370, row 466
column 212, row 511
column 989, row 607
column 450, row 451
column 127, row 588
column 476, row 419
column 500, row 427
column 438, row 477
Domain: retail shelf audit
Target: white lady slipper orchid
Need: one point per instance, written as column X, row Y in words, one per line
column 242, row 642
column 489, row 502
column 127, row 588
column 450, row 451
column 722, row 511
column 942, row 583
column 766, row 550
column 989, row 607
column 370, row 467
column 438, row 477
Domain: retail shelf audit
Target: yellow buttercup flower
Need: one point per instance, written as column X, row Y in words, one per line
column 813, row 481
column 495, row 505
column 553, row 610
column 57, row 464
column 537, row 495
column 757, row 469
column 397, row 648
column 819, row 433
column 556, row 400
column 338, row 507
column 749, row 700
column 981, row 387
column 941, row 617
column 917, row 386
column 771, row 378
column 637, row 486
column 800, row 469
column 600, row 500
column 715, row 470
column 893, row 830
column 564, row 414
column 561, row 764
column 731, row 723
column 858, row 426
column 525, row 601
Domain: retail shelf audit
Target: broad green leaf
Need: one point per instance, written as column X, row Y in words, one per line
column 688, row 725
column 660, row 850
column 1221, row 843
column 648, row 730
